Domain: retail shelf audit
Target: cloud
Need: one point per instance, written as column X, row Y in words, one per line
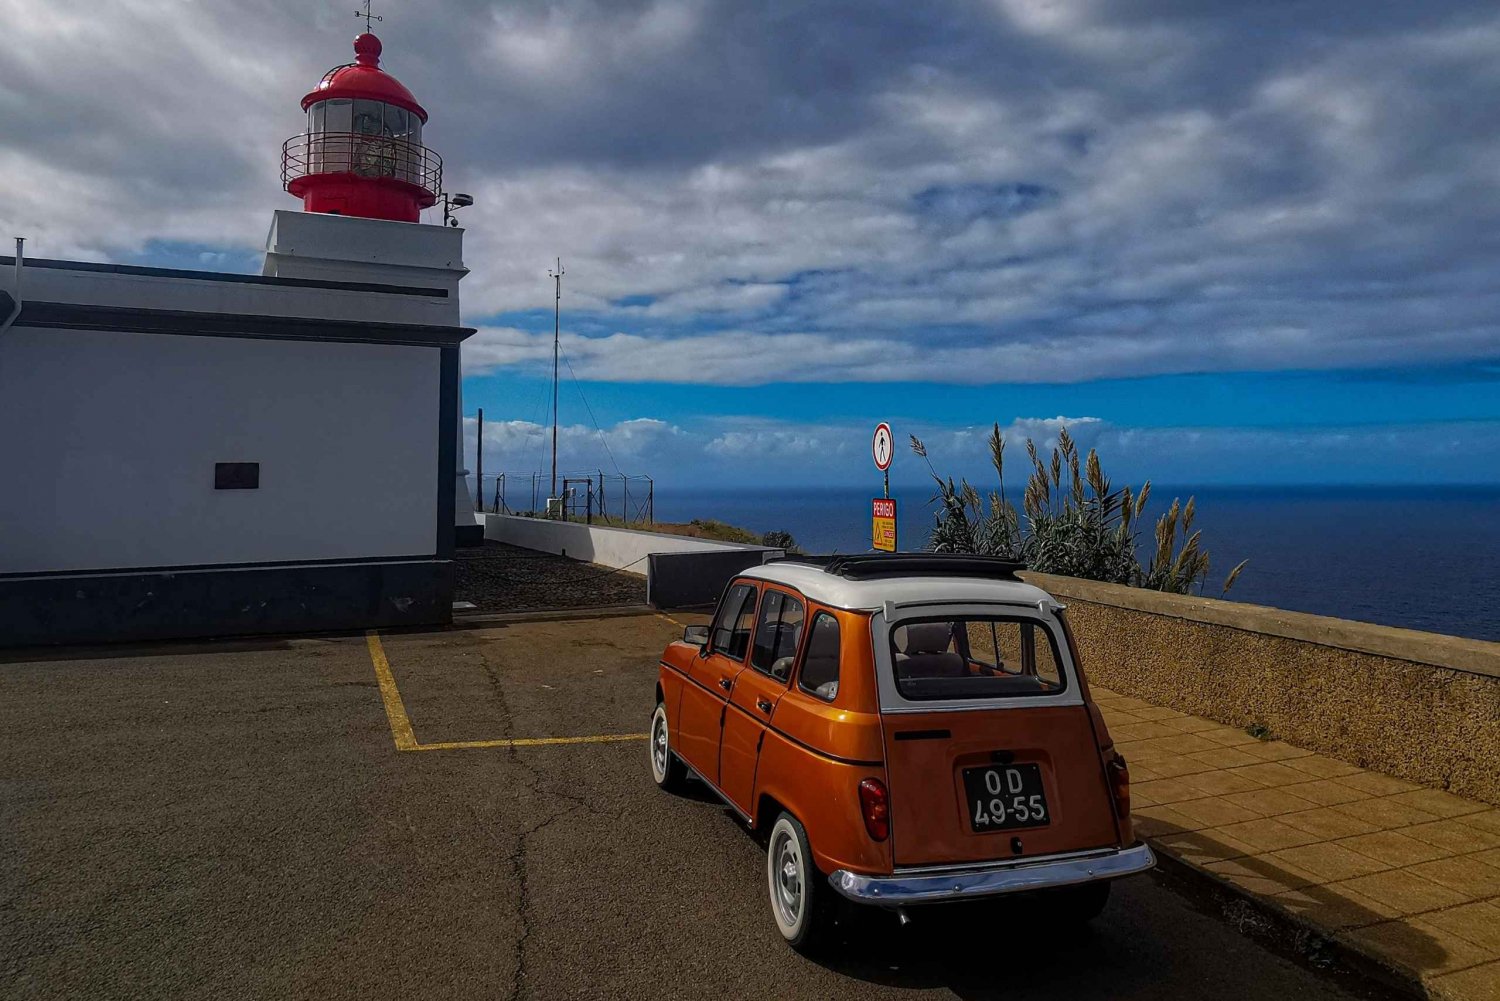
column 957, row 192
column 756, row 451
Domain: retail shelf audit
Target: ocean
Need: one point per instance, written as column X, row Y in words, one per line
column 1419, row 557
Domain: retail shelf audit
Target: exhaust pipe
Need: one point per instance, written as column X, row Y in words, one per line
column 16, row 310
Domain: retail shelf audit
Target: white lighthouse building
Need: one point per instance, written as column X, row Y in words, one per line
column 191, row 453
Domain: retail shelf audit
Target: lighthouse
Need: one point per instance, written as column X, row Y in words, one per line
column 362, row 153
column 364, row 178
column 195, row 453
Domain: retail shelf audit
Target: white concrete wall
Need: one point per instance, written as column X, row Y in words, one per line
column 348, row 248
column 610, row 547
column 108, row 443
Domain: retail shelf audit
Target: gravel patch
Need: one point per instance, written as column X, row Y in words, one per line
column 500, row 578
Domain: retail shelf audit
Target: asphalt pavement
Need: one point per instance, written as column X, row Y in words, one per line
column 235, row 820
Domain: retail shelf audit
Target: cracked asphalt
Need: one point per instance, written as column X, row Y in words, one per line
column 232, row 820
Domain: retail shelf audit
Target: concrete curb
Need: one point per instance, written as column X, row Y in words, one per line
column 1308, row 943
column 483, row 620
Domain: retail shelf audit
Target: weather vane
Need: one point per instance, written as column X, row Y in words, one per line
column 368, row 16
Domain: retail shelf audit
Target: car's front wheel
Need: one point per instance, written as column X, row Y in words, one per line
column 668, row 772
column 801, row 901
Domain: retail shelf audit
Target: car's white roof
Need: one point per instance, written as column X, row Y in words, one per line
column 871, row 594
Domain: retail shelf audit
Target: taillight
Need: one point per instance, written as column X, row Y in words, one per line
column 875, row 805
column 1119, row 784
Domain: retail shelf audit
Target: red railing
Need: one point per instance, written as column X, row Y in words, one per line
column 362, row 156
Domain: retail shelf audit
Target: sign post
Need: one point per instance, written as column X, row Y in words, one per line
column 883, row 509
column 884, row 449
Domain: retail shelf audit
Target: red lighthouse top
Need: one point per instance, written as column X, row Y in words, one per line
column 364, row 78
column 362, row 153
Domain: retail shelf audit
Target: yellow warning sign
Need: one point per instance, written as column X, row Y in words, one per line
column 883, row 524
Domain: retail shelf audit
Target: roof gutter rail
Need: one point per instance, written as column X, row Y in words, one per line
column 16, row 309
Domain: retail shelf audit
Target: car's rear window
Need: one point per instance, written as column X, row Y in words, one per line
column 975, row 657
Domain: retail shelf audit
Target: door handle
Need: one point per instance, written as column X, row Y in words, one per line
column 725, row 684
column 763, row 705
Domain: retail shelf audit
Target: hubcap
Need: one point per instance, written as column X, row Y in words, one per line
column 788, row 886
column 659, row 746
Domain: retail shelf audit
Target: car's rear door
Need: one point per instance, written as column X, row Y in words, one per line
column 990, row 751
column 758, row 690
column 711, row 678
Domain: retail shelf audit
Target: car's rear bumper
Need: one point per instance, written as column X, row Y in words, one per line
column 948, row 883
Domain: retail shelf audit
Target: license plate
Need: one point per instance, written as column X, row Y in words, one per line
column 1005, row 796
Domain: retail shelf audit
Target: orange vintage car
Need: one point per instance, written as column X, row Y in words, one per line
column 904, row 729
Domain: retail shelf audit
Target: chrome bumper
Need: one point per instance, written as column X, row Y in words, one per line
column 935, row 885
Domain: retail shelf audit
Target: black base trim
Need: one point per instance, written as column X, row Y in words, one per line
column 134, row 320
column 112, row 608
column 224, row 276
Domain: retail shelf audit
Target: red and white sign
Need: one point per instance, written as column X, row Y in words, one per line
column 883, row 524
column 883, row 447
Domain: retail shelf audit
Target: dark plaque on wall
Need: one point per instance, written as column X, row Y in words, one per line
column 236, row 476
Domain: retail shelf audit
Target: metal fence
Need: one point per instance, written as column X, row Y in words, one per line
column 363, row 156
column 586, row 496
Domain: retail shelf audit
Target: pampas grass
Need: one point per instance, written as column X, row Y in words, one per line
column 1076, row 523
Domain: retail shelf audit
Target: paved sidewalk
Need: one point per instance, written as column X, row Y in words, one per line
column 1406, row 875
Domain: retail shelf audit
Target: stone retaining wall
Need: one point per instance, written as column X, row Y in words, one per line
column 1421, row 706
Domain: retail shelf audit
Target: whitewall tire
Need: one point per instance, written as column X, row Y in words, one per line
column 666, row 771
column 801, row 900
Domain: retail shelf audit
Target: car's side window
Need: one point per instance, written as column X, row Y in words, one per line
column 731, row 634
column 777, row 634
column 820, row 663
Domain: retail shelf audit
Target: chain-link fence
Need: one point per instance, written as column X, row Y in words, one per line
column 588, row 496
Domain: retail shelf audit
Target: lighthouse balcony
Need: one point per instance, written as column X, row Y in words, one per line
column 307, row 159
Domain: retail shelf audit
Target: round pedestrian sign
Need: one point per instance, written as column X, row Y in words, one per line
column 882, row 447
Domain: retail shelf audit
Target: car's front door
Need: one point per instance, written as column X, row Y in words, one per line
column 778, row 634
column 711, row 680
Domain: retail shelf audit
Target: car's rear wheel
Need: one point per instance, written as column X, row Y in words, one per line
column 668, row 772
column 802, row 903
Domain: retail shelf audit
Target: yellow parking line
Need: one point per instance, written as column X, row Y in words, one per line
column 679, row 625
column 406, row 738
column 401, row 730
column 606, row 738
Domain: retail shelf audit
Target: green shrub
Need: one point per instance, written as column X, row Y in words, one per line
column 1076, row 523
column 708, row 528
column 780, row 540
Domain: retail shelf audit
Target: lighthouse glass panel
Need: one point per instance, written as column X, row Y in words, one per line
column 367, row 118
column 396, row 121
column 328, row 143
column 336, row 114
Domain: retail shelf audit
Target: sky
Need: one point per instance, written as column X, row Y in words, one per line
column 1224, row 243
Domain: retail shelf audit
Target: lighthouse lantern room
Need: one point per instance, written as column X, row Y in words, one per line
column 362, row 153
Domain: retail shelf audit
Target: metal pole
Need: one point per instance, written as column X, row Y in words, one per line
column 625, row 508
column 479, row 465
column 589, row 517
column 650, row 501
column 603, row 508
column 557, row 277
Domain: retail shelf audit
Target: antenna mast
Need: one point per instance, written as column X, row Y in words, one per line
column 557, row 277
